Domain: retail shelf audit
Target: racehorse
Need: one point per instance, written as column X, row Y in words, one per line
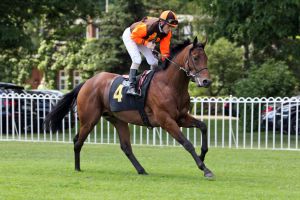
column 166, row 106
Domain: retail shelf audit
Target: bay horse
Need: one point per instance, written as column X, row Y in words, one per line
column 167, row 105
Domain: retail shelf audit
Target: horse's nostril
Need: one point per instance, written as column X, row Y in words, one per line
column 206, row 82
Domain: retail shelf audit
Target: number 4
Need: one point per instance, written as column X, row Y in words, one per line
column 118, row 93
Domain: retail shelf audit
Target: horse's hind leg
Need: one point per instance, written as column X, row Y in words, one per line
column 124, row 135
column 76, row 153
column 87, row 122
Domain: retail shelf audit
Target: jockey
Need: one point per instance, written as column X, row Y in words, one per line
column 142, row 36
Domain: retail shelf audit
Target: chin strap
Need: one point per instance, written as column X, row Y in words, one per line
column 160, row 28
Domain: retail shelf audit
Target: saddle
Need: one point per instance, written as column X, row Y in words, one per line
column 120, row 101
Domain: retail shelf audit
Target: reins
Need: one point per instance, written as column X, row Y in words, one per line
column 187, row 71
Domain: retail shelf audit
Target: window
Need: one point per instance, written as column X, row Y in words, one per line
column 76, row 78
column 62, row 80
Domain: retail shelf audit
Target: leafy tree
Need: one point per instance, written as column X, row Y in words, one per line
column 261, row 24
column 271, row 79
column 16, row 65
column 13, row 16
column 25, row 26
column 108, row 53
column 54, row 18
column 93, row 58
column 225, row 66
column 155, row 7
column 53, row 56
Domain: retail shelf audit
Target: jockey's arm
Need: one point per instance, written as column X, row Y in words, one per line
column 165, row 46
column 138, row 34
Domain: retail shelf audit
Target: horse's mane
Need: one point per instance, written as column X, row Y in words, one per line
column 174, row 51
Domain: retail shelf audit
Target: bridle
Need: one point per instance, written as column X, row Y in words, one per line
column 188, row 72
column 186, row 67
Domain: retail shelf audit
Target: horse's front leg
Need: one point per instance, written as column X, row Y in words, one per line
column 189, row 122
column 172, row 127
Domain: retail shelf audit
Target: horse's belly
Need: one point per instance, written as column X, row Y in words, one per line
column 134, row 117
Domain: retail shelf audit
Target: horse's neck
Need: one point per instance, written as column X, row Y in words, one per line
column 176, row 77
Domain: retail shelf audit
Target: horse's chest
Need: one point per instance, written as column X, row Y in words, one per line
column 183, row 107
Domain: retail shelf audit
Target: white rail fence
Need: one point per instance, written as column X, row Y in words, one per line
column 255, row 123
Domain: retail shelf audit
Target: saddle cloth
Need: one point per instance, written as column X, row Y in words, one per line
column 120, row 101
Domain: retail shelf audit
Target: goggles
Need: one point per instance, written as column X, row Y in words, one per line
column 172, row 22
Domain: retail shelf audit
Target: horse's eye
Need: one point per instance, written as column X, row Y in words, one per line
column 196, row 58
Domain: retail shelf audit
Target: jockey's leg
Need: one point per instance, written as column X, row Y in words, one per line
column 132, row 80
column 151, row 60
column 136, row 58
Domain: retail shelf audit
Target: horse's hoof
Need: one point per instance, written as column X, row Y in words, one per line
column 78, row 169
column 209, row 175
column 143, row 172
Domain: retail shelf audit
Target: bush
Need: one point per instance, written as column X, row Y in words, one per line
column 271, row 79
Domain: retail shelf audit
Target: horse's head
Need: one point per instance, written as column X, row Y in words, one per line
column 196, row 64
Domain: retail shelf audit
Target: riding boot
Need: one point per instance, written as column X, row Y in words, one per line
column 132, row 83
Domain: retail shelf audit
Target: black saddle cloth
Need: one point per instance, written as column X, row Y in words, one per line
column 120, row 101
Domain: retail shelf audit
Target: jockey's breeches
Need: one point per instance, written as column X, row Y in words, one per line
column 135, row 49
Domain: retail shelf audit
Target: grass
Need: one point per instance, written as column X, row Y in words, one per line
column 45, row 171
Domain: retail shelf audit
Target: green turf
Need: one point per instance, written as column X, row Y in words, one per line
column 45, row 171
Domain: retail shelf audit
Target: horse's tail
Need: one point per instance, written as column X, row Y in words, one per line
column 54, row 118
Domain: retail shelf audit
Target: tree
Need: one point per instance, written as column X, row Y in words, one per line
column 16, row 65
column 155, row 7
column 13, row 16
column 260, row 24
column 271, row 79
column 225, row 63
column 53, row 17
column 53, row 56
column 26, row 26
column 108, row 53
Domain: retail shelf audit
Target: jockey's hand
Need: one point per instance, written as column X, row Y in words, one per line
column 163, row 57
column 150, row 45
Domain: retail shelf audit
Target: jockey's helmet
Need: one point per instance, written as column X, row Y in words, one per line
column 169, row 17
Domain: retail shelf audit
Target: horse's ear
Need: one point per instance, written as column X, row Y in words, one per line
column 195, row 41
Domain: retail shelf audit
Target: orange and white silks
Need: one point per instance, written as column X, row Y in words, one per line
column 147, row 30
